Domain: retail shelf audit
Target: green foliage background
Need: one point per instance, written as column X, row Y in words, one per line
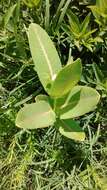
column 43, row 159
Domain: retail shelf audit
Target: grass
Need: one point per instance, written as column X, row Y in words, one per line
column 43, row 159
column 47, row 161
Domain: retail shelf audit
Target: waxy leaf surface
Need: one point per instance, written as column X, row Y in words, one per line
column 44, row 54
column 66, row 79
column 80, row 100
column 71, row 129
column 35, row 115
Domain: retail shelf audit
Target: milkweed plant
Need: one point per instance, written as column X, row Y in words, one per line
column 65, row 99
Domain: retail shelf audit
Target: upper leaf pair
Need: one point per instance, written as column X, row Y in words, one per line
column 56, row 80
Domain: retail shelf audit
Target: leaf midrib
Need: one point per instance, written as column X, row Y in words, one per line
column 45, row 54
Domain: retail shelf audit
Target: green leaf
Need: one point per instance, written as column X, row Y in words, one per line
column 98, row 39
column 44, row 54
column 102, row 4
column 89, row 33
column 66, row 79
column 60, row 101
column 8, row 15
column 71, row 129
column 66, row 29
column 31, row 3
column 94, row 9
column 80, row 100
column 45, row 98
column 2, row 65
column 17, row 12
column 41, row 97
column 74, row 22
column 85, row 24
column 35, row 115
column 62, row 14
column 98, row 73
column 70, row 102
column 47, row 15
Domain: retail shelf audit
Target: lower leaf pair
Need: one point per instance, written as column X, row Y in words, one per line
column 41, row 114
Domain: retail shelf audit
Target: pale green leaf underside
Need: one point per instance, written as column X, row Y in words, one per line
column 71, row 129
column 81, row 100
column 66, row 79
column 35, row 115
column 44, row 54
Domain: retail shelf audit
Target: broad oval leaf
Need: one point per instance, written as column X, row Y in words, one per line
column 44, row 54
column 71, row 129
column 80, row 100
column 35, row 115
column 66, row 79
